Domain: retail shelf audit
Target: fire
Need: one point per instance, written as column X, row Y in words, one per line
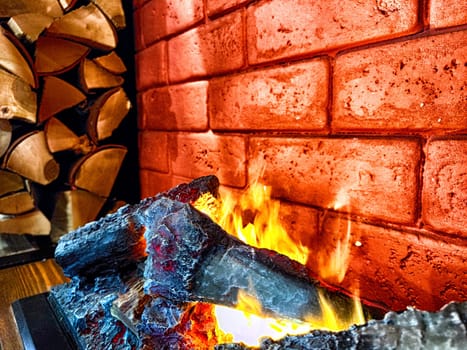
column 253, row 217
column 333, row 267
column 248, row 314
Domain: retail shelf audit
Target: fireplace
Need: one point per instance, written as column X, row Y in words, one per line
column 162, row 274
column 352, row 113
column 360, row 104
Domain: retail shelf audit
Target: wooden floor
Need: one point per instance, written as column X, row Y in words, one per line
column 20, row 282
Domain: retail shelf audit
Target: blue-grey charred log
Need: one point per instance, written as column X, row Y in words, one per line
column 116, row 240
column 191, row 258
column 84, row 311
column 102, row 314
column 409, row 330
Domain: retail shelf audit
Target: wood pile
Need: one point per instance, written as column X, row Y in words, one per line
column 61, row 99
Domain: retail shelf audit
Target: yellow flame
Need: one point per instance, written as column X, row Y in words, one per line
column 330, row 318
column 247, row 323
column 253, row 217
column 333, row 266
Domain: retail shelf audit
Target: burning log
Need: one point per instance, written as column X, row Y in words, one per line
column 100, row 313
column 84, row 310
column 191, row 258
column 411, row 329
column 166, row 298
column 116, row 240
column 163, row 324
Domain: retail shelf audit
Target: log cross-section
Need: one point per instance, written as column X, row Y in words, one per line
column 57, row 95
column 55, row 55
column 17, row 99
column 87, row 25
column 12, row 58
column 97, row 171
column 30, row 157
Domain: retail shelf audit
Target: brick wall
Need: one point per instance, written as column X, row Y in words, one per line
column 361, row 99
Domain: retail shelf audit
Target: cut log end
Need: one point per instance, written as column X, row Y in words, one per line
column 30, row 157
column 34, row 223
column 5, row 136
column 97, row 171
column 51, row 170
column 15, row 58
column 113, row 10
column 17, row 99
column 12, row 8
column 87, row 25
column 57, row 96
column 55, row 55
column 28, row 26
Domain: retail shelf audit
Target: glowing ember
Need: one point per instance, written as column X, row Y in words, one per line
column 253, row 217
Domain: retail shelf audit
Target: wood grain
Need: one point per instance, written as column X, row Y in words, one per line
column 19, row 282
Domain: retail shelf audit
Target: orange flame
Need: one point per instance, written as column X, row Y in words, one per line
column 333, row 267
column 253, row 217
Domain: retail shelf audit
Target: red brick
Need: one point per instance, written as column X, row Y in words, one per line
column 371, row 177
column 195, row 155
column 284, row 28
column 177, row 107
column 300, row 222
column 152, row 183
column 393, row 267
column 416, row 85
column 445, row 13
column 151, row 66
column 138, row 3
column 217, row 6
column 138, row 31
column 444, row 199
column 150, row 23
column 163, row 17
column 153, row 151
column 283, row 98
column 209, row 49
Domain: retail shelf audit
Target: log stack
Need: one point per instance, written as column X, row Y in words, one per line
column 62, row 97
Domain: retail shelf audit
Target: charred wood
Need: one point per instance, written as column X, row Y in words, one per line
column 189, row 193
column 191, row 258
column 84, row 310
column 116, row 240
column 129, row 307
column 103, row 314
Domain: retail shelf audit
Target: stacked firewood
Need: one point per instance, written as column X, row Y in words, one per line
column 61, row 99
